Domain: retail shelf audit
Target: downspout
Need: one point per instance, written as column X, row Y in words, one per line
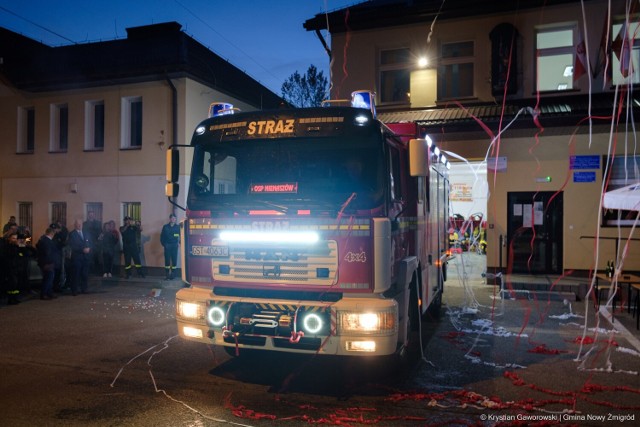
column 324, row 43
column 174, row 123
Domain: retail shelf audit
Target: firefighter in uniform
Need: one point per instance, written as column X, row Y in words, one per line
column 170, row 239
column 130, row 247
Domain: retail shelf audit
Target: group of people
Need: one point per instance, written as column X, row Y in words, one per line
column 66, row 258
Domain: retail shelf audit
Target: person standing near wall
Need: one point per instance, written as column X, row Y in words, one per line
column 170, row 239
column 129, row 233
column 91, row 229
column 80, row 258
column 46, row 250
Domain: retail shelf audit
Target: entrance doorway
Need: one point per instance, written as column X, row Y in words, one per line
column 534, row 232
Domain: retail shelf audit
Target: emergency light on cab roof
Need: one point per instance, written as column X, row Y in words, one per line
column 221, row 109
column 359, row 99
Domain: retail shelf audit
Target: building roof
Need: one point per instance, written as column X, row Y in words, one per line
column 566, row 111
column 152, row 52
column 389, row 13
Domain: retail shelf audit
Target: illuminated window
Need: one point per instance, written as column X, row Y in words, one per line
column 26, row 129
column 455, row 70
column 131, row 123
column 555, row 55
column 625, row 57
column 94, row 125
column 133, row 210
column 59, row 128
column 395, row 74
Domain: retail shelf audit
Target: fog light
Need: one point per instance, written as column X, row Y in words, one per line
column 362, row 346
column 190, row 332
column 216, row 316
column 312, row 323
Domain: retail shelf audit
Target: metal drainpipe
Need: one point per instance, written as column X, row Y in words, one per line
column 174, row 122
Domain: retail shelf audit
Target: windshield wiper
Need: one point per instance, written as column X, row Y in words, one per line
column 279, row 208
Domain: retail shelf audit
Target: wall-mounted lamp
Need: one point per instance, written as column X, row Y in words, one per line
column 422, row 62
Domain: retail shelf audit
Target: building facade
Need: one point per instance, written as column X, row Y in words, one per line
column 540, row 91
column 85, row 128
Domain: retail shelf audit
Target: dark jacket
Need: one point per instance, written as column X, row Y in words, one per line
column 77, row 244
column 46, row 250
column 170, row 235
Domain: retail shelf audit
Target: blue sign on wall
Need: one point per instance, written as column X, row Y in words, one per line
column 584, row 177
column 584, row 162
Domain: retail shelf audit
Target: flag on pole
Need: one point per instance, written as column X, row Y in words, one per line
column 621, row 47
column 580, row 62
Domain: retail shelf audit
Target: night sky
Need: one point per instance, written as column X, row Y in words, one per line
column 263, row 38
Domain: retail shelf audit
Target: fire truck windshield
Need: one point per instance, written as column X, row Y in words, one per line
column 279, row 174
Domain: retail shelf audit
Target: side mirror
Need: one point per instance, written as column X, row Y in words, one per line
column 419, row 154
column 171, row 189
column 173, row 165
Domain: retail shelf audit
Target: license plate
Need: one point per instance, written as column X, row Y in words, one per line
column 210, row 251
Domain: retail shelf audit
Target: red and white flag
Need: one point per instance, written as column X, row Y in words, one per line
column 580, row 62
column 621, row 47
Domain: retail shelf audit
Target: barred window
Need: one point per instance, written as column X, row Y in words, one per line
column 95, row 208
column 25, row 215
column 132, row 209
column 59, row 212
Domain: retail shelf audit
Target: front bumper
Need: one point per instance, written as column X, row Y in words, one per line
column 362, row 326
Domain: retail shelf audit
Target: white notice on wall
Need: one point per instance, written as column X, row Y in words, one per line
column 517, row 209
column 526, row 215
column 538, row 213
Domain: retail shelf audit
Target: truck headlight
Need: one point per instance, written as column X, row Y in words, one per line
column 369, row 323
column 190, row 310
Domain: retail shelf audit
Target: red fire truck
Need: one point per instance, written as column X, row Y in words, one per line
column 314, row 230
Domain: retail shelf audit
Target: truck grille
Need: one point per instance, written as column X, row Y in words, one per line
column 315, row 265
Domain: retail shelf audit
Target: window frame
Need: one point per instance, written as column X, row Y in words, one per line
column 131, row 121
column 25, row 215
column 617, row 79
column 25, row 143
column 96, row 208
column 620, row 171
column 445, row 62
column 393, row 67
column 94, row 130
column 58, row 212
column 59, row 127
column 133, row 210
column 549, row 52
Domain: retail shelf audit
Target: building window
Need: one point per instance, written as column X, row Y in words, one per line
column 25, row 215
column 94, row 125
column 59, row 212
column 131, row 136
column 95, row 208
column 555, row 55
column 59, row 131
column 625, row 53
column 395, row 76
column 455, row 70
column 623, row 171
column 132, row 209
column 26, row 129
